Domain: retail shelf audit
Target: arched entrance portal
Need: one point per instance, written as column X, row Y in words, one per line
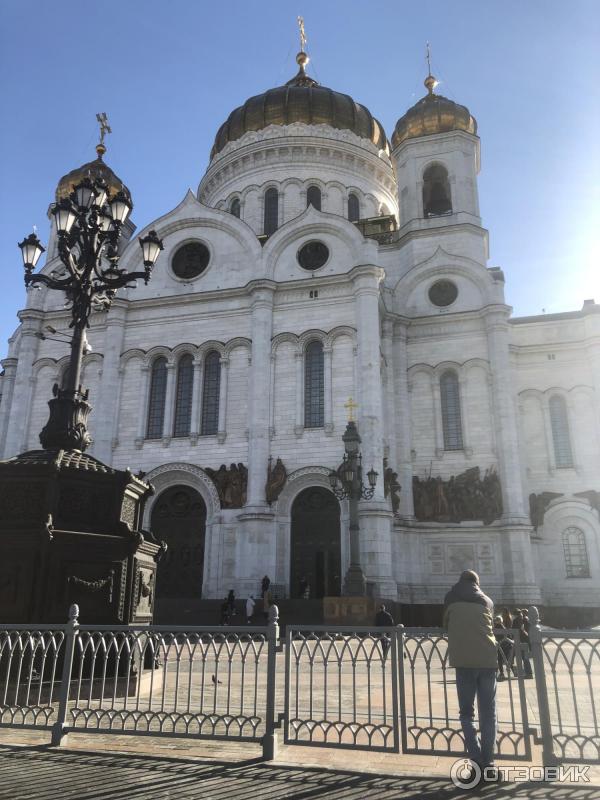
column 315, row 543
column 179, row 519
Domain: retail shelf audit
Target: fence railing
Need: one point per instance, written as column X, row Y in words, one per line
column 342, row 687
column 567, row 671
column 160, row 681
column 385, row 689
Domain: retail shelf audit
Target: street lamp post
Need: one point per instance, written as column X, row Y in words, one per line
column 89, row 224
column 347, row 482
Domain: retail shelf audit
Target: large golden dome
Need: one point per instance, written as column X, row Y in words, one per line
column 300, row 100
column 433, row 114
column 94, row 170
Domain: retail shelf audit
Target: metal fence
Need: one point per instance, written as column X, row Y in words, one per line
column 388, row 689
column 341, row 687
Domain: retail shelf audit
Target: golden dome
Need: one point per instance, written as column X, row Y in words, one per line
column 301, row 99
column 433, row 114
column 94, row 170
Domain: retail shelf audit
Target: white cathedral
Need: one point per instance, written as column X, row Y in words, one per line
column 318, row 261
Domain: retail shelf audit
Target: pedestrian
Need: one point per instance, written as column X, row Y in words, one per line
column 304, row 588
column 225, row 613
column 231, row 603
column 383, row 619
column 507, row 619
column 505, row 649
column 266, row 596
column 524, row 635
column 249, row 609
column 472, row 651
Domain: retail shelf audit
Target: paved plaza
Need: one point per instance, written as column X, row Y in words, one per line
column 136, row 768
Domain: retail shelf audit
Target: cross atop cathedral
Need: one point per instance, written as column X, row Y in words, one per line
column 302, row 34
column 350, row 405
column 428, row 59
column 104, row 126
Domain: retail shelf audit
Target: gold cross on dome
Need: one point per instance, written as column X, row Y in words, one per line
column 104, row 126
column 302, row 34
column 350, row 405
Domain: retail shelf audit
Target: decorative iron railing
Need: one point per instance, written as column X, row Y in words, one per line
column 342, row 687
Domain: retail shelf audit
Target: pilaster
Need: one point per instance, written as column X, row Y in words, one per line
column 28, row 347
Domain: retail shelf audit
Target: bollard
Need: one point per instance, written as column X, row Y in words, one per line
column 60, row 729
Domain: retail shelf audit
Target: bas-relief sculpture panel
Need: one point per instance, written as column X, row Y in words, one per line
column 451, row 558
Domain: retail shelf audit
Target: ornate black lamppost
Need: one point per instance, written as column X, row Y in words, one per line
column 347, row 481
column 71, row 526
column 89, row 224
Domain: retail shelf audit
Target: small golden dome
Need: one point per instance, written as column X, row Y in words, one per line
column 301, row 99
column 433, row 114
column 94, row 170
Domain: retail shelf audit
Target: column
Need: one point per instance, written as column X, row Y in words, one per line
column 26, row 355
column 375, row 516
column 196, row 400
column 366, row 303
column 169, row 403
column 8, row 385
column 505, row 422
column 388, row 393
column 299, row 361
column 222, row 425
column 403, row 420
column 144, row 398
column 106, row 405
column 258, row 409
column 328, row 390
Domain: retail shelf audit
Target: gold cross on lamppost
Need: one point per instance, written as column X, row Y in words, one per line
column 350, row 405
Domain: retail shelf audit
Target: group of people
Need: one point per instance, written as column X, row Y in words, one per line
column 229, row 609
column 519, row 623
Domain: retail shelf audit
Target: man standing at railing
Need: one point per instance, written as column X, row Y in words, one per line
column 472, row 650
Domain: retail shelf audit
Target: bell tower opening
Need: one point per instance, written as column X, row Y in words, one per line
column 315, row 544
column 436, row 191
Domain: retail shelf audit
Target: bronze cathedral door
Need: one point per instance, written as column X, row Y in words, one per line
column 315, row 543
column 179, row 519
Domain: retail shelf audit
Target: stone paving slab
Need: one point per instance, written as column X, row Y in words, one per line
column 130, row 767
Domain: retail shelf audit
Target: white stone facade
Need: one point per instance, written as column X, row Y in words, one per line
column 384, row 343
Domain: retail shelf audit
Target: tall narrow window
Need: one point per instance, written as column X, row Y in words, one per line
column 271, row 211
column 563, row 455
column 576, row 555
column 183, row 396
column 234, row 208
column 313, row 197
column 156, row 402
column 436, row 191
column 451, row 418
column 314, row 386
column 353, row 208
column 210, row 394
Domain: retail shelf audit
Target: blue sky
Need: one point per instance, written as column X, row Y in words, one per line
column 168, row 74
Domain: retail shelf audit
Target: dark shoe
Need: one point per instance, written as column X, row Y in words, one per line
column 501, row 677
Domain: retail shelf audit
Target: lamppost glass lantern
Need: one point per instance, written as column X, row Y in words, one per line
column 120, row 207
column 333, row 480
column 372, row 476
column 84, row 194
column 31, row 250
column 347, row 471
column 151, row 246
column 64, row 216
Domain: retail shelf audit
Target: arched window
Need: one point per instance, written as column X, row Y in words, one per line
column 183, row 396
column 210, row 394
column 563, row 455
column 436, row 191
column 576, row 555
column 271, row 211
column 353, row 208
column 384, row 210
column 234, row 208
column 156, row 402
column 314, row 386
column 451, row 418
column 313, row 197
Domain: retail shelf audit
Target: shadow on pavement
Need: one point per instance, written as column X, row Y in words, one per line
column 43, row 773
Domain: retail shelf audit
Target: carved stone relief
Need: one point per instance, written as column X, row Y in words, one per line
column 467, row 496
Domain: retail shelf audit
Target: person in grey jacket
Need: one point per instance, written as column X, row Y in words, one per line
column 473, row 652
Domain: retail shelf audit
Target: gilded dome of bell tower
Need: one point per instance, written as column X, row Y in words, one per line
column 433, row 114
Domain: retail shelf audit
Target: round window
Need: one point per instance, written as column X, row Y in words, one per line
column 443, row 293
column 313, row 255
column 191, row 260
